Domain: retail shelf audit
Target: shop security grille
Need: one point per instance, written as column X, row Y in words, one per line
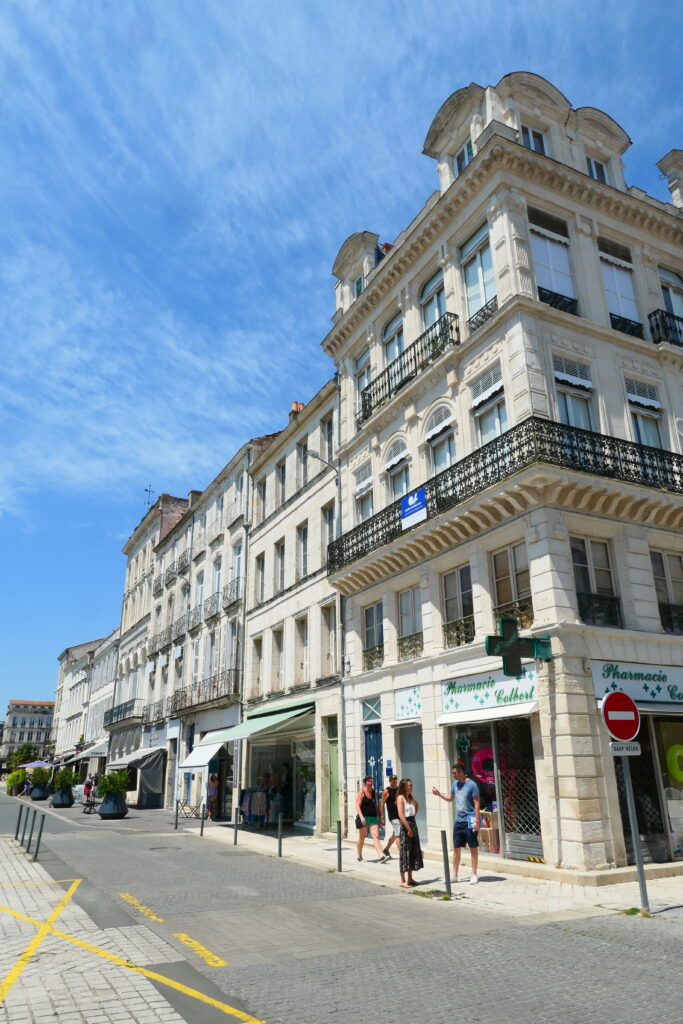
column 523, row 839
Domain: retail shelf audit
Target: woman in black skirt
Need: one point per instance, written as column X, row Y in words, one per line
column 410, row 853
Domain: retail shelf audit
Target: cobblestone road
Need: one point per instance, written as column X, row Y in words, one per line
column 304, row 946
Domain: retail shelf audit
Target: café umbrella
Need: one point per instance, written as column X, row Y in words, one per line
column 37, row 764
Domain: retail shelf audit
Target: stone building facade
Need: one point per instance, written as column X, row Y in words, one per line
column 28, row 721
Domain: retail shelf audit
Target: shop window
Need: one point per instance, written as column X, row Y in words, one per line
column 432, row 300
column 597, row 600
column 533, row 139
column 373, row 635
column 372, row 709
column 667, row 569
column 458, row 607
column 512, row 584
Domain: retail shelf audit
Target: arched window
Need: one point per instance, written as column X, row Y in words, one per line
column 440, row 436
column 392, row 338
column 433, row 300
column 396, row 467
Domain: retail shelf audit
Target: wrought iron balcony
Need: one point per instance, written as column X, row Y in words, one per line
column 410, row 646
column 170, row 575
column 557, row 301
column 195, row 616
column 458, row 632
column 183, row 563
column 666, row 326
column 533, row 441
column 155, row 712
column 158, row 584
column 217, row 687
column 178, row 628
column 164, row 637
column 626, row 326
column 482, row 315
column 672, row 618
column 131, row 709
column 373, row 657
column 600, row 610
column 212, row 605
column 431, row 343
column 522, row 610
column 232, row 592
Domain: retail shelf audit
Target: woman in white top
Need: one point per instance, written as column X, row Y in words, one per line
column 410, row 853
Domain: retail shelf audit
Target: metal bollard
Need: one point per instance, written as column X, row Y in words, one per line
column 16, row 831
column 446, row 866
column 234, row 827
column 40, row 833
column 279, row 835
column 23, row 831
column 339, row 847
column 177, row 811
column 30, row 835
column 203, row 817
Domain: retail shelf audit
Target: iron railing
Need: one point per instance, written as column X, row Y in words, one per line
column 164, row 637
column 458, row 632
column 373, row 657
column 212, row 605
column 599, row 609
column 152, row 645
column 155, row 712
column 183, row 562
column 522, row 610
column 195, row 616
column 410, row 646
column 179, row 626
column 170, row 574
column 532, row 441
column 431, row 343
column 216, row 687
column 626, row 326
column 666, row 326
column 672, row 618
column 557, row 301
column 122, row 712
column 158, row 584
column 482, row 315
column 232, row 592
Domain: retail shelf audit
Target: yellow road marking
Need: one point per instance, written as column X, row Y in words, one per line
column 212, row 959
column 194, row 993
column 43, row 930
column 135, row 902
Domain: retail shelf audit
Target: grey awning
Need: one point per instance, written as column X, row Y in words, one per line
column 135, row 757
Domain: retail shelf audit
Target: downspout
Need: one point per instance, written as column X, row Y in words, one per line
column 238, row 764
column 341, row 619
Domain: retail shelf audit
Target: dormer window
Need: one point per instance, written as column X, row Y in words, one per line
column 596, row 170
column 358, row 286
column 533, row 139
column 463, row 157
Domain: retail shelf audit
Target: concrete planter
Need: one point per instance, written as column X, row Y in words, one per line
column 63, row 798
column 39, row 793
column 113, row 806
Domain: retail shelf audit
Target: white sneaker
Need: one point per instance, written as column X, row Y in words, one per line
column 474, row 879
column 454, row 878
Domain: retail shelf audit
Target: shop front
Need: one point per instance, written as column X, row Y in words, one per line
column 489, row 722
column 207, row 778
column 657, row 773
column 147, row 771
column 280, row 770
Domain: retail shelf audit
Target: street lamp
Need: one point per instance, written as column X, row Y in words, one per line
column 315, row 455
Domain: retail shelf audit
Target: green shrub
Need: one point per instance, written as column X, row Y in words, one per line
column 64, row 779
column 40, row 776
column 16, row 778
column 113, row 782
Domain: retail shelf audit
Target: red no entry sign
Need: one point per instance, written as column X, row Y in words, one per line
column 621, row 716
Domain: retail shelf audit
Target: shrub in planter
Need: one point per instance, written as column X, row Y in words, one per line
column 15, row 781
column 63, row 794
column 40, row 778
column 113, row 788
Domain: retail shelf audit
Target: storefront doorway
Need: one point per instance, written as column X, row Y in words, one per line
column 411, row 761
column 373, row 755
column 281, row 781
column 332, row 772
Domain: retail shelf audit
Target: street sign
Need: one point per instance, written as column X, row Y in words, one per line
column 621, row 716
column 619, row 749
column 413, row 508
column 513, row 647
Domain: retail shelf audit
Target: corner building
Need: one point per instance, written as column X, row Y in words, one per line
column 510, row 437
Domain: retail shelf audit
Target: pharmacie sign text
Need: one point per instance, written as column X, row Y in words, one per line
column 647, row 684
column 493, row 690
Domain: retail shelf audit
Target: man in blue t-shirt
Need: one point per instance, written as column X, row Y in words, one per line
column 465, row 793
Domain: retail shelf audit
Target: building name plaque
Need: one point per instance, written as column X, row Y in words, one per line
column 493, row 690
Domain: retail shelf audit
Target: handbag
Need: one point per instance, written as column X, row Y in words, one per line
column 359, row 823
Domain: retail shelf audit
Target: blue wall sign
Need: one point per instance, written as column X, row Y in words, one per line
column 413, row 508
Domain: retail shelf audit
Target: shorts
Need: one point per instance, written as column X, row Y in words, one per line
column 396, row 826
column 463, row 835
column 369, row 820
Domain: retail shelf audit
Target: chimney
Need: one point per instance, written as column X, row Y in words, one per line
column 295, row 410
column 671, row 165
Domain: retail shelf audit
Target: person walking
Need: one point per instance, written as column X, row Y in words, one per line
column 410, row 851
column 212, row 792
column 389, row 797
column 367, row 818
column 465, row 793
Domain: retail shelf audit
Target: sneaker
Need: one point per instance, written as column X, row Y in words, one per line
column 387, row 855
column 454, row 878
column 474, row 879
column 384, row 859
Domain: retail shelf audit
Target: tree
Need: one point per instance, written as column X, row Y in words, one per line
column 23, row 755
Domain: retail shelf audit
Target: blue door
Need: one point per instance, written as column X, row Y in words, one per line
column 374, row 762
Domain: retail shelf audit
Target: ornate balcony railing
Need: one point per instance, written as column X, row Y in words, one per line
column 123, row 712
column 666, row 326
column 482, row 315
column 222, row 684
column 431, row 343
column 158, row 584
column 212, row 605
column 152, row 645
column 626, row 326
column 410, row 646
column 532, row 441
column 195, row 616
column 183, row 563
column 232, row 592
column 600, row 610
column 672, row 618
column 522, row 610
column 373, row 657
column 155, row 712
column 170, row 575
column 164, row 637
column 458, row 632
column 178, row 628
column 557, row 301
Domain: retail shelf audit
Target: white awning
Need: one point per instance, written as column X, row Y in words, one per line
column 439, row 428
column 97, row 750
column 397, row 459
column 128, row 760
column 201, row 754
column 489, row 714
column 361, row 488
column 402, row 722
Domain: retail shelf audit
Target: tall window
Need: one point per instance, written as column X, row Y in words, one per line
column 362, row 374
column 261, row 500
column 257, row 666
column 667, row 569
column 277, row 660
column 327, row 436
column 217, row 575
column 199, row 589
column 409, row 612
column 279, row 566
column 327, row 532
column 477, row 264
column 260, row 578
column 195, row 660
column 488, row 400
column 364, row 506
column 281, row 481
column 392, row 337
column 301, row 650
column 396, row 468
column 550, row 249
column 617, row 276
column 362, row 492
column 645, row 408
column 302, row 463
column 596, row 169
column 329, row 640
column 302, row 550
column 598, row 604
column 237, row 561
column 433, row 300
column 533, row 139
column 457, row 594
column 441, row 439
column 573, row 383
column 463, row 157
column 512, row 584
column 373, row 626
column 672, row 291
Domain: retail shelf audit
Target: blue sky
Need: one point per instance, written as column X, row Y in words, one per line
column 176, row 179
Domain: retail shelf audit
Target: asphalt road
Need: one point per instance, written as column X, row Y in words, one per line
column 306, row 946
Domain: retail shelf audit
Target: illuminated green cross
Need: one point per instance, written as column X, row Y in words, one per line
column 514, row 647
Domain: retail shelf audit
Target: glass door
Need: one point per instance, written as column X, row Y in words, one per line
column 669, row 742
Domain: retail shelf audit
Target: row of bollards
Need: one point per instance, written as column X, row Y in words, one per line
column 22, row 808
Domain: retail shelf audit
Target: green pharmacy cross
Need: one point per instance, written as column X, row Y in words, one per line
column 514, row 647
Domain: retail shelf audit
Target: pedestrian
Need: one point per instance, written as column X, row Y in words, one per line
column 367, row 818
column 465, row 793
column 410, row 851
column 213, row 797
column 27, row 787
column 88, row 787
column 389, row 802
